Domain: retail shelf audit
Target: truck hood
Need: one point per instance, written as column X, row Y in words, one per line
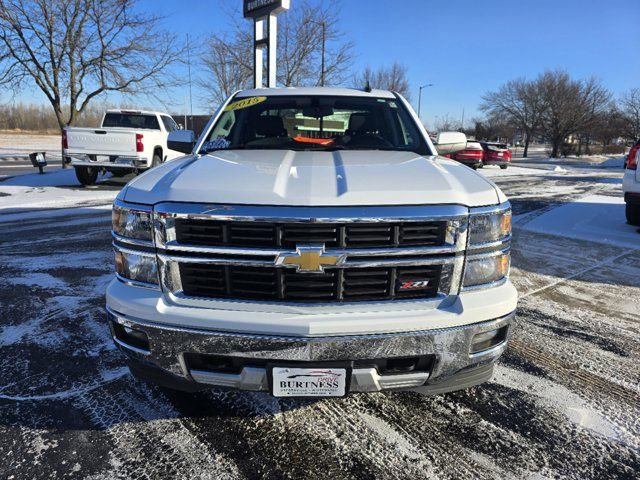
column 341, row 178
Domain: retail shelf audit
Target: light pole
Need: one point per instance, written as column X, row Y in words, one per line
column 323, row 24
column 420, row 96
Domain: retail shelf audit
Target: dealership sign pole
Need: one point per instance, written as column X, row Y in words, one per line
column 264, row 12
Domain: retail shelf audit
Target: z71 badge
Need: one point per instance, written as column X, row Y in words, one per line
column 414, row 285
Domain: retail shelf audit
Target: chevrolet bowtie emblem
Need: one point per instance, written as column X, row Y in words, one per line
column 309, row 259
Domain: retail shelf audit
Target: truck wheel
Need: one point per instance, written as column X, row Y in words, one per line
column 157, row 160
column 633, row 214
column 87, row 175
column 503, row 167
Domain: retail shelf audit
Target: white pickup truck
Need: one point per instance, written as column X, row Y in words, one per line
column 126, row 141
column 312, row 244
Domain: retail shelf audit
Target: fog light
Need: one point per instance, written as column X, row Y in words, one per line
column 486, row 340
column 131, row 337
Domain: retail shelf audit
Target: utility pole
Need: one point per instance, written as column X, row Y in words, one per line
column 190, row 96
column 420, row 96
column 462, row 121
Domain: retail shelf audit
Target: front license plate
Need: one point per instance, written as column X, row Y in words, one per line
column 309, row 382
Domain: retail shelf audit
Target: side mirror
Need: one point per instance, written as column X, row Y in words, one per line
column 450, row 142
column 181, row 141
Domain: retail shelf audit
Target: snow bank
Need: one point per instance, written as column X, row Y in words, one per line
column 511, row 171
column 23, row 144
column 34, row 191
column 596, row 218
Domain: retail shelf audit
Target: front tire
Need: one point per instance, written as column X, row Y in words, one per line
column 504, row 167
column 86, row 175
column 633, row 214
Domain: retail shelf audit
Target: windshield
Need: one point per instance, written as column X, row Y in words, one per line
column 315, row 123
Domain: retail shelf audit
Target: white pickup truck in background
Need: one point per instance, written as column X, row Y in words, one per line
column 127, row 140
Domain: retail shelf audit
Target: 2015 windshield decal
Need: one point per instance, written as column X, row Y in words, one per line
column 244, row 103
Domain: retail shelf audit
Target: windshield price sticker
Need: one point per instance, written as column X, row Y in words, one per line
column 244, row 103
column 309, row 382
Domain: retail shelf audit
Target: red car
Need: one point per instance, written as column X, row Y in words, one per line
column 496, row 154
column 470, row 156
column 632, row 153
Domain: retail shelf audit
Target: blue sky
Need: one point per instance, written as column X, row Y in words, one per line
column 464, row 47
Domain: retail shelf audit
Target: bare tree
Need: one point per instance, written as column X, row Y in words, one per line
column 300, row 45
column 608, row 125
column 493, row 128
column 630, row 110
column 571, row 106
column 40, row 118
column 393, row 77
column 227, row 66
column 445, row 123
column 519, row 102
column 227, row 57
column 76, row 50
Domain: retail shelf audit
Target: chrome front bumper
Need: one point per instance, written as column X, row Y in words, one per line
column 449, row 347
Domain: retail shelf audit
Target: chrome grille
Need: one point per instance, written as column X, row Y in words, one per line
column 335, row 285
column 235, row 252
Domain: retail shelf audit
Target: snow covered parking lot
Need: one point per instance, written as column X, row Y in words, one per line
column 563, row 403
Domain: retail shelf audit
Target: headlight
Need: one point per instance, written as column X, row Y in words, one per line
column 486, row 269
column 489, row 227
column 137, row 266
column 132, row 221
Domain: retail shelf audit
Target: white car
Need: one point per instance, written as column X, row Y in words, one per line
column 312, row 244
column 631, row 186
column 126, row 141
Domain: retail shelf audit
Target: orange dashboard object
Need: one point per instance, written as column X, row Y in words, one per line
column 316, row 141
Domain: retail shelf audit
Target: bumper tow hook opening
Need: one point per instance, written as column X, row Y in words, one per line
column 131, row 337
column 486, row 340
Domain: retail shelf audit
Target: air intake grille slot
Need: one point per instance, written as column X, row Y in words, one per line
column 214, row 233
column 334, row 285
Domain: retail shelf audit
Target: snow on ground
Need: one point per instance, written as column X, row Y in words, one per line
column 20, row 144
column 595, row 218
column 56, row 189
column 511, row 171
column 563, row 402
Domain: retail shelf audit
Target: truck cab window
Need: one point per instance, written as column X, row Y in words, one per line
column 130, row 120
column 169, row 124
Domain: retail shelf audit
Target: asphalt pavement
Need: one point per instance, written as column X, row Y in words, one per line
column 563, row 403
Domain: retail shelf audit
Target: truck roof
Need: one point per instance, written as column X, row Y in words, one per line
column 133, row 110
column 333, row 91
